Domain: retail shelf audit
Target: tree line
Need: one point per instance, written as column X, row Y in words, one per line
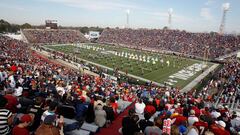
column 6, row 27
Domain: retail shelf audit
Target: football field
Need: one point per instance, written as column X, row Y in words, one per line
column 165, row 69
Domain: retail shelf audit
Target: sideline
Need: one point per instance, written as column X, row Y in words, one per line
column 193, row 83
column 64, row 63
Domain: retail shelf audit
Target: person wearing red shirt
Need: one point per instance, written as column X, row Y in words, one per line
column 179, row 119
column 201, row 125
column 21, row 128
column 219, row 128
column 12, row 101
column 14, row 68
column 150, row 108
column 197, row 111
column 114, row 105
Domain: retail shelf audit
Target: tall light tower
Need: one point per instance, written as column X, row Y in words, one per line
column 225, row 8
column 127, row 12
column 170, row 11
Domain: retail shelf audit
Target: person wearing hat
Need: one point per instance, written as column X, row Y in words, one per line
column 192, row 118
column 218, row 128
column 21, row 128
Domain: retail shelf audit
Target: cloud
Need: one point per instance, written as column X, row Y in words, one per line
column 205, row 13
column 97, row 4
column 209, row 2
column 225, row 6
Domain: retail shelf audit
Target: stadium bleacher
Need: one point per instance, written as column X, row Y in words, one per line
column 53, row 36
column 49, row 86
column 183, row 42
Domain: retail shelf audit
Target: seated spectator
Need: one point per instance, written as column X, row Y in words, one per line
column 47, row 127
column 192, row 131
column 6, row 118
column 235, row 122
column 129, row 125
column 145, row 122
column 155, row 129
column 81, row 109
column 37, row 110
column 100, row 115
column 114, row 105
column 12, row 101
column 90, row 114
column 21, row 128
column 109, row 111
column 201, row 125
column 139, row 107
column 192, row 118
column 218, row 128
column 51, row 110
column 150, row 108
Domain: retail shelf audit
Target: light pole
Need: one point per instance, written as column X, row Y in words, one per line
column 225, row 8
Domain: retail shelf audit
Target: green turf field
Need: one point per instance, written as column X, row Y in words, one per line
column 131, row 61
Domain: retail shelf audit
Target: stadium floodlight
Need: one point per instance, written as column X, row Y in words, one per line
column 128, row 12
column 225, row 8
column 170, row 11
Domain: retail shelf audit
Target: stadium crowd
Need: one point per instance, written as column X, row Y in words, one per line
column 37, row 94
column 31, row 84
column 58, row 36
column 183, row 42
column 193, row 113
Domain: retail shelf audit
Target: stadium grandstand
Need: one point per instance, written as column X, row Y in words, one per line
column 55, row 81
column 53, row 36
column 183, row 42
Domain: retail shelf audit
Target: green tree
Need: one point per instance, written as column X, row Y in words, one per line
column 4, row 26
column 26, row 26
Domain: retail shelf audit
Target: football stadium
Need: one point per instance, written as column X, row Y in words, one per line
column 86, row 74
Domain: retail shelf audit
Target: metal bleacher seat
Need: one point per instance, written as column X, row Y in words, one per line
column 79, row 132
column 85, row 129
column 90, row 127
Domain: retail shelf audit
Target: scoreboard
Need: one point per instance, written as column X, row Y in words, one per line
column 51, row 24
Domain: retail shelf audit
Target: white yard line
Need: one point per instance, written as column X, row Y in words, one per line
column 199, row 78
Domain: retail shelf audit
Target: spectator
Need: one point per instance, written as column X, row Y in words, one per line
column 47, row 127
column 139, row 107
column 6, row 118
column 12, row 101
column 155, row 129
column 145, row 122
column 172, row 41
column 109, row 111
column 52, row 36
column 201, row 125
column 192, row 131
column 129, row 125
column 21, row 128
column 219, row 128
column 37, row 110
column 192, row 118
column 100, row 115
column 51, row 110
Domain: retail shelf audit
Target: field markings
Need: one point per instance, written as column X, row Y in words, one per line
column 164, row 71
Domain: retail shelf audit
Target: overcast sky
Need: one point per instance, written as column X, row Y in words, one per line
column 190, row 15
